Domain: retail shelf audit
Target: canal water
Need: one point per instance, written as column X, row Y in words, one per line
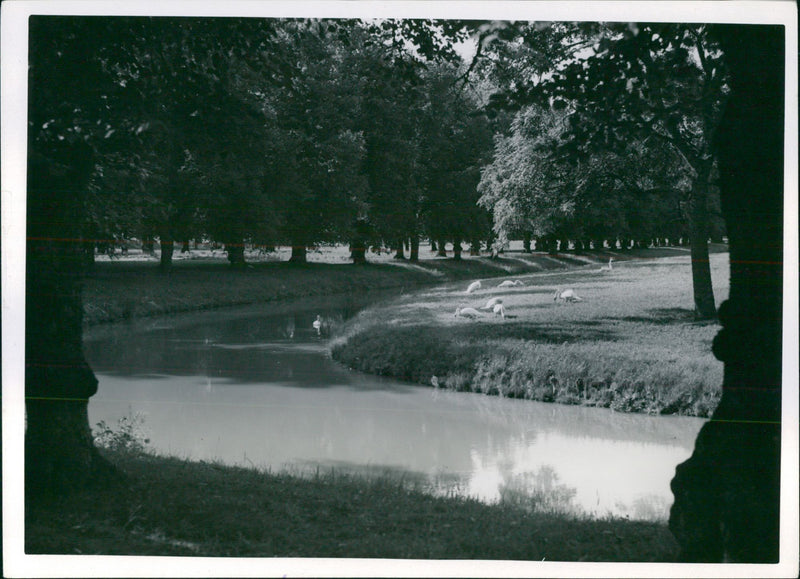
column 257, row 387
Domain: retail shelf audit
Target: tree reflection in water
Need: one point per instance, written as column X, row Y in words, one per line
column 538, row 491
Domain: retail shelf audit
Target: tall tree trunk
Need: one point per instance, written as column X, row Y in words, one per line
column 358, row 251
column 299, row 252
column 235, row 253
column 414, row 254
column 148, row 246
column 704, row 305
column 399, row 251
column 185, row 246
column 358, row 244
column 59, row 453
column 442, row 252
column 433, row 246
column 475, row 247
column 167, row 249
column 457, row 249
column 727, row 495
column 526, row 242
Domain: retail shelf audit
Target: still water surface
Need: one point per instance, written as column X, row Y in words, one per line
column 252, row 387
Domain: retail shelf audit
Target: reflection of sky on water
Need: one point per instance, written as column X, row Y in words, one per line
column 244, row 392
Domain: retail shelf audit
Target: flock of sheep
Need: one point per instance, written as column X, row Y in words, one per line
column 495, row 304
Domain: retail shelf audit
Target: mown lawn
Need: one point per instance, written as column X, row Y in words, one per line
column 168, row 506
column 633, row 343
column 124, row 289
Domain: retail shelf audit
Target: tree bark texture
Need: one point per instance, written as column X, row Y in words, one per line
column 457, row 249
column 727, row 495
column 59, row 452
column 299, row 253
column 704, row 305
column 399, row 251
column 167, row 249
column 526, row 242
column 358, row 251
column 235, row 253
column 147, row 245
column 475, row 247
column 414, row 253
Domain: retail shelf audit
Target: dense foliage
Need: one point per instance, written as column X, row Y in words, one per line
column 297, row 132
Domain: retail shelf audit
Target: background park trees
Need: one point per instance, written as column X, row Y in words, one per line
column 660, row 86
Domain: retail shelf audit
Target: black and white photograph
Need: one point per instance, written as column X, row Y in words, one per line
column 399, row 289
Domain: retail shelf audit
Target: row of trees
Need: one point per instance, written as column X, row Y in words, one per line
column 271, row 132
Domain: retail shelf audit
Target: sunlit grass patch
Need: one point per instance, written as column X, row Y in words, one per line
column 633, row 343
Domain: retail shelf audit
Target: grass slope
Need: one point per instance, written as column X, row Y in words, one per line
column 632, row 344
column 168, row 506
column 122, row 289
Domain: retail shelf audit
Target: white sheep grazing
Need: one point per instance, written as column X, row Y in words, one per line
column 467, row 313
column 499, row 310
column 568, row 295
column 492, row 303
column 509, row 283
column 476, row 285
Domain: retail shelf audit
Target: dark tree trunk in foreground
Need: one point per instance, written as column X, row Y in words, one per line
column 441, row 252
column 727, row 495
column 59, row 452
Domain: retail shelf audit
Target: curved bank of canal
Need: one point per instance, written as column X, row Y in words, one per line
column 254, row 388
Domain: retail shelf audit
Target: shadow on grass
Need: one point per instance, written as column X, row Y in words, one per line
column 553, row 334
column 669, row 316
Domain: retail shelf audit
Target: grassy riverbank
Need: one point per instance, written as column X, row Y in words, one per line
column 632, row 344
column 168, row 506
column 120, row 290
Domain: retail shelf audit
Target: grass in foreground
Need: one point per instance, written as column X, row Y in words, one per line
column 632, row 345
column 169, row 506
